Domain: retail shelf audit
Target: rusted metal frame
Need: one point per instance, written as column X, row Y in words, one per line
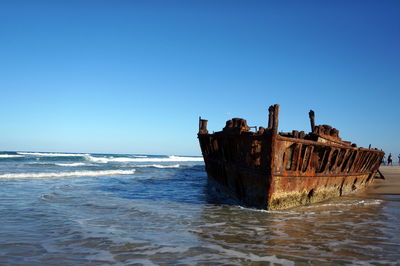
column 329, row 167
column 311, row 142
column 374, row 159
column 230, row 164
column 327, row 173
column 322, row 165
column 346, row 159
column 284, row 159
column 207, row 146
column 217, row 146
column 303, row 157
column 199, row 123
column 362, row 162
column 213, row 148
column 224, row 142
column 376, row 162
column 373, row 162
column 294, row 160
column 350, row 161
column 361, row 165
column 203, row 126
column 276, row 119
column 299, row 159
column 309, row 159
column 296, row 157
column 353, row 159
column 320, row 160
column 335, row 167
column 328, row 163
column 270, row 176
column 208, row 142
column 203, row 145
column 305, row 141
column 311, row 115
column 366, row 162
column 223, row 136
column 321, row 175
column 310, row 153
column 327, row 152
column 357, row 162
column 339, row 164
column 335, row 141
column 273, row 126
column 255, row 128
column 289, row 159
column 270, row 117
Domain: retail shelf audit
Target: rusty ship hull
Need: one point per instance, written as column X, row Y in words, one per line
column 271, row 170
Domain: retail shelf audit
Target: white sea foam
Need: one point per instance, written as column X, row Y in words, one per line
column 67, row 174
column 10, row 156
column 159, row 165
column 58, row 164
column 70, row 164
column 248, row 255
column 53, row 154
column 130, row 159
column 348, row 203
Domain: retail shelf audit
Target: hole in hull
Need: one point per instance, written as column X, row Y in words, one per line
column 310, row 195
column 353, row 187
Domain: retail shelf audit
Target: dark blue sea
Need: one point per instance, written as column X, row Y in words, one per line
column 109, row 209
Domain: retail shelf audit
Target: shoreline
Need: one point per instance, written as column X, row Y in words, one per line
column 388, row 186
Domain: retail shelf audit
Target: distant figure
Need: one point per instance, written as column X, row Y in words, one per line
column 384, row 159
column 390, row 159
column 399, row 158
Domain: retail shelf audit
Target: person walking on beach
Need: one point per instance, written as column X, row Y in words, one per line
column 384, row 159
column 390, row 159
column 399, row 158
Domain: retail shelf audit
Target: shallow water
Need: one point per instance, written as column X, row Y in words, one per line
column 123, row 209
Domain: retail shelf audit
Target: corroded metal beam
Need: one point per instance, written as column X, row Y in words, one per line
column 275, row 170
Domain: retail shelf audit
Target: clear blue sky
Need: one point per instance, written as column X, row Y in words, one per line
column 133, row 76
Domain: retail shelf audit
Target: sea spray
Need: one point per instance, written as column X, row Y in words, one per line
column 67, row 174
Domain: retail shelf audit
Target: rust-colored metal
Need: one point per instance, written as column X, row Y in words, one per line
column 277, row 170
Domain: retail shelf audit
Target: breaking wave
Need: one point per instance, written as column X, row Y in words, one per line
column 146, row 159
column 10, row 156
column 99, row 158
column 70, row 164
column 67, row 174
column 159, row 165
column 52, row 154
column 349, row 203
column 58, row 164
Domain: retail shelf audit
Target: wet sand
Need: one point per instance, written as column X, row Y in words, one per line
column 389, row 185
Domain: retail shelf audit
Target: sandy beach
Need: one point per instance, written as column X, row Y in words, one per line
column 389, row 185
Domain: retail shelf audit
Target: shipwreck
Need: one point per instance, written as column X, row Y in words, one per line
column 273, row 170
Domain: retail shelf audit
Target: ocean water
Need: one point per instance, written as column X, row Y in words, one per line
column 91, row 209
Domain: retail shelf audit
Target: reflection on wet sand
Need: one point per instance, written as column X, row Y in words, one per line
column 345, row 230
